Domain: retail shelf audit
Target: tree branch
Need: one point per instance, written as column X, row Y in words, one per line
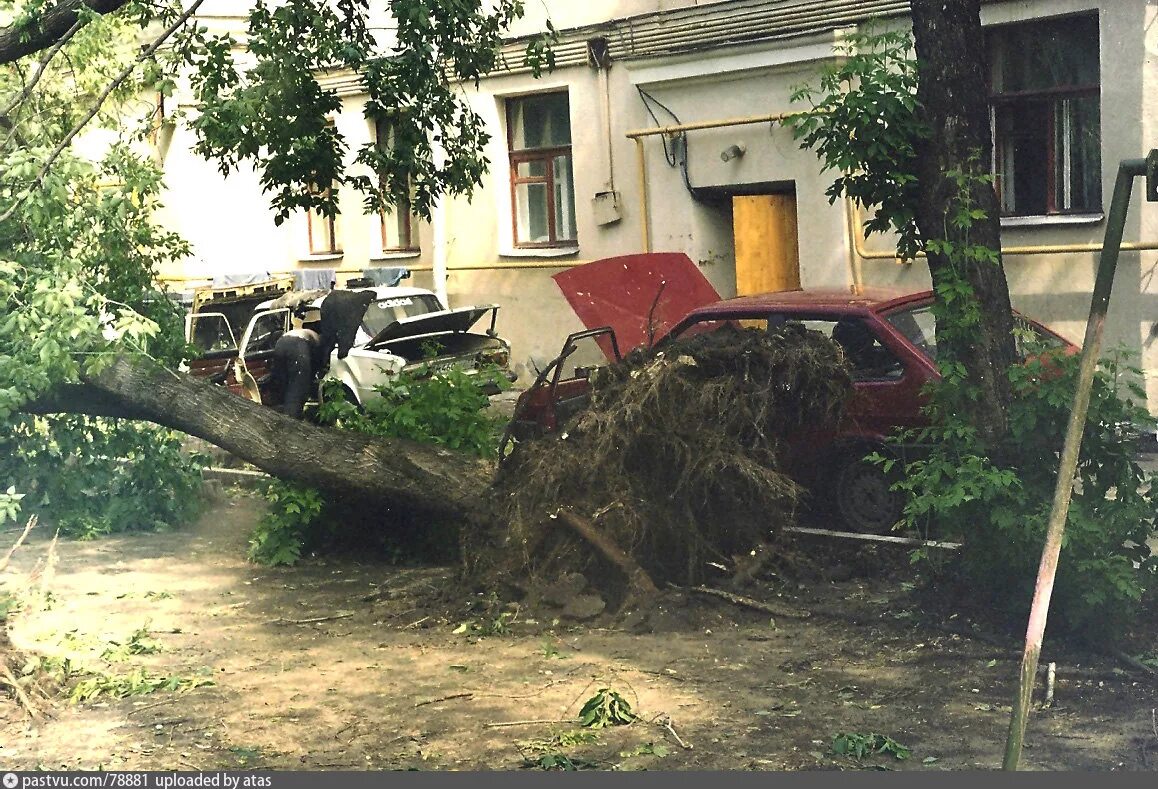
column 416, row 477
column 19, row 40
column 120, row 78
column 30, row 85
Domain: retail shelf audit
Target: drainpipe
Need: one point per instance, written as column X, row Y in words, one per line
column 856, row 240
column 644, row 213
column 438, row 232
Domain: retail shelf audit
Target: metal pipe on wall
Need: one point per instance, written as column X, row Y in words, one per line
column 857, row 249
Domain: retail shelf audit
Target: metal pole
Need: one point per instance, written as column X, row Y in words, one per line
column 1099, row 303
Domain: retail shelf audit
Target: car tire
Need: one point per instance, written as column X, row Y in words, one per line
column 863, row 495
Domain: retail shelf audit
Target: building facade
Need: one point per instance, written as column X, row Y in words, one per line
column 579, row 171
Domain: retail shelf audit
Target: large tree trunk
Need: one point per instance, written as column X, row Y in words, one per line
column 952, row 92
column 384, row 472
column 44, row 30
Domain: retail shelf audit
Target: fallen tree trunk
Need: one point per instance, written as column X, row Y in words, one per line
column 381, row 471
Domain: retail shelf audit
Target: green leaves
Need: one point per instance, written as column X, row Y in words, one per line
column 282, row 531
column 94, row 476
column 998, row 503
column 860, row 746
column 863, row 124
column 606, row 708
column 447, row 408
column 274, row 113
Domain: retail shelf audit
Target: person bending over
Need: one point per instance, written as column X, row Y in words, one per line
column 295, row 364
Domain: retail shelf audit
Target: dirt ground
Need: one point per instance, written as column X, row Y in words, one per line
column 380, row 679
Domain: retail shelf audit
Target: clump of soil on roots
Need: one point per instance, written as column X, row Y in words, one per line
column 677, row 462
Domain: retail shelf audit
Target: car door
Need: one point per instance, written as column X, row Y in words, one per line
column 211, row 334
column 252, row 372
column 887, row 377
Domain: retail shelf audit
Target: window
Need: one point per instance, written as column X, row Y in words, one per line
column 1044, row 110
column 542, row 182
column 399, row 224
column 919, row 326
column 323, row 229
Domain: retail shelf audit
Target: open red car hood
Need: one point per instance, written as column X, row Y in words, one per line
column 641, row 297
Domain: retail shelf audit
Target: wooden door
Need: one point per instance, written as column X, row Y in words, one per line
column 767, row 250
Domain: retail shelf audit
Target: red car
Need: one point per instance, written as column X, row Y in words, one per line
column 890, row 341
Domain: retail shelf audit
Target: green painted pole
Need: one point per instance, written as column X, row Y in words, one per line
column 1091, row 346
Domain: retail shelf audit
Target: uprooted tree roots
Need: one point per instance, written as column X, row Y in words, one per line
column 677, row 462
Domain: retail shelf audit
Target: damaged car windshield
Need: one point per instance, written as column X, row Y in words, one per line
column 383, row 312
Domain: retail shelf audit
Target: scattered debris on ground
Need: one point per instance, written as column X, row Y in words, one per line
column 351, row 663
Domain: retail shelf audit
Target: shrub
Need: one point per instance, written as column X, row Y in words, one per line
column 449, row 409
column 282, row 531
column 92, row 476
column 999, row 503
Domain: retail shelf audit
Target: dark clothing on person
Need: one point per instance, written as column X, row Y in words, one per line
column 342, row 313
column 294, row 365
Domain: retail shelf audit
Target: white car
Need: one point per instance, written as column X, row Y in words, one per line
column 403, row 328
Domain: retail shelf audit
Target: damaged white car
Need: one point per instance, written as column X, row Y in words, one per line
column 399, row 329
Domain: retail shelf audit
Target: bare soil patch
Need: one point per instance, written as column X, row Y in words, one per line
column 350, row 663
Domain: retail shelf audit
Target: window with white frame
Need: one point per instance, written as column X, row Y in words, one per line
column 399, row 225
column 542, row 178
column 1046, row 117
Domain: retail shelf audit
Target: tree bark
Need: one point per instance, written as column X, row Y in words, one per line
column 19, row 40
column 379, row 471
column 953, row 96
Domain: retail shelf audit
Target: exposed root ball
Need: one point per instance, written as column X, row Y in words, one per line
column 677, row 459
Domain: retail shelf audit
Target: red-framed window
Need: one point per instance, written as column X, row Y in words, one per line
column 542, row 175
column 1046, row 118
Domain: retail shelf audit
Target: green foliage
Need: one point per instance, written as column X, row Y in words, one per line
column 80, row 249
column 283, row 530
column 138, row 643
column 448, row 408
column 494, row 626
column 10, row 504
column 999, row 504
column 548, row 753
column 863, row 124
column 92, row 476
column 89, row 686
column 659, row 750
column 136, row 683
column 606, row 708
column 77, row 274
column 274, row 112
column 550, row 650
column 9, row 605
column 996, row 499
column 558, row 761
column 493, row 619
column 859, row 745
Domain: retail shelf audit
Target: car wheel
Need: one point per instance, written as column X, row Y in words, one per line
column 863, row 495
